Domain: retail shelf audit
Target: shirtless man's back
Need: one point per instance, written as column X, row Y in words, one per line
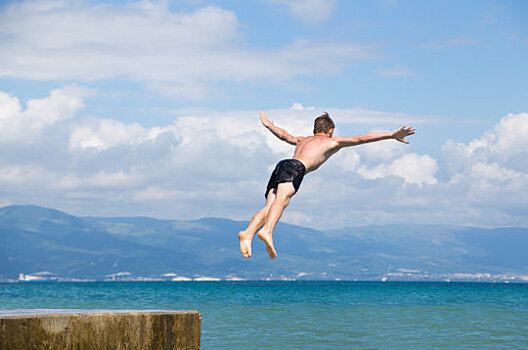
column 310, row 152
column 313, row 151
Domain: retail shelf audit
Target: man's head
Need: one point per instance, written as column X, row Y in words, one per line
column 323, row 124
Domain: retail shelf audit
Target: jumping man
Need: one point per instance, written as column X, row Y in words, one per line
column 310, row 152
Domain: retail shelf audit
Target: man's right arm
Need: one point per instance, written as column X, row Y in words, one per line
column 279, row 132
column 398, row 135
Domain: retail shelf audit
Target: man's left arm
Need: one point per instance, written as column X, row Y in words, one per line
column 398, row 135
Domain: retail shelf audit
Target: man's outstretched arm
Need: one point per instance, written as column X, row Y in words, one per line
column 398, row 135
column 279, row 132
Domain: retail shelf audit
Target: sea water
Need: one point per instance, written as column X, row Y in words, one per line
column 310, row 314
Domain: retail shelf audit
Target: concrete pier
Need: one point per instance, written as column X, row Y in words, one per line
column 99, row 329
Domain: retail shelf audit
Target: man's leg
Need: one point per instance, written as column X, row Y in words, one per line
column 255, row 224
column 284, row 192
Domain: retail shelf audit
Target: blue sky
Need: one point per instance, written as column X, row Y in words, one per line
column 127, row 104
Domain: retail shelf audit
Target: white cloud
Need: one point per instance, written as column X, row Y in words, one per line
column 157, row 193
column 182, row 54
column 100, row 179
column 296, row 106
column 297, row 218
column 490, row 174
column 217, row 163
column 309, row 10
column 505, row 144
column 20, row 175
column 493, row 171
column 415, row 169
column 411, row 167
column 107, row 133
column 383, row 151
column 26, row 124
column 348, row 160
column 509, row 137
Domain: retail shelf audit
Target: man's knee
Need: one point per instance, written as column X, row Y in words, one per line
column 285, row 196
column 285, row 190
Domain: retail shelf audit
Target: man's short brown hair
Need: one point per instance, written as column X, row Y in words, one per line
column 323, row 123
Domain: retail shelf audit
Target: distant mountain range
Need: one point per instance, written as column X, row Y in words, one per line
column 36, row 239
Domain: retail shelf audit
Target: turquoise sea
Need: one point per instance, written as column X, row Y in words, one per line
column 311, row 314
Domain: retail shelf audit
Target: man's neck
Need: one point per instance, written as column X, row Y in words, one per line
column 322, row 134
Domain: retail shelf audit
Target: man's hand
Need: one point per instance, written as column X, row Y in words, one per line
column 265, row 121
column 402, row 133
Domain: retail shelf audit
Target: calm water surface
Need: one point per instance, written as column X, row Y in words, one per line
column 314, row 315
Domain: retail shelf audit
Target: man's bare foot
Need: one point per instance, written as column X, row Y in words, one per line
column 245, row 244
column 269, row 243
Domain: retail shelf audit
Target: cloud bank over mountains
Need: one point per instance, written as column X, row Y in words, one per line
column 146, row 108
column 216, row 163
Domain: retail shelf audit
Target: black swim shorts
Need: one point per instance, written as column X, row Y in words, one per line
column 287, row 170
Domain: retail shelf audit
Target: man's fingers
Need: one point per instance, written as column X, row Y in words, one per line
column 404, row 132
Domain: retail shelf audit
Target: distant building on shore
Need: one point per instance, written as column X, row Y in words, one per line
column 120, row 276
column 44, row 276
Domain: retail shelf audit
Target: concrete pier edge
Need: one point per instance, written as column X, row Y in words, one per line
column 99, row 329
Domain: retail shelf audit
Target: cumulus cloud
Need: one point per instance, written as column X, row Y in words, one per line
column 505, row 144
column 26, row 124
column 182, row 54
column 411, row 167
column 108, row 133
column 492, row 171
column 217, row 163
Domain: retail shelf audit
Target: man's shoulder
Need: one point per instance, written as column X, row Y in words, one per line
column 316, row 137
column 320, row 141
